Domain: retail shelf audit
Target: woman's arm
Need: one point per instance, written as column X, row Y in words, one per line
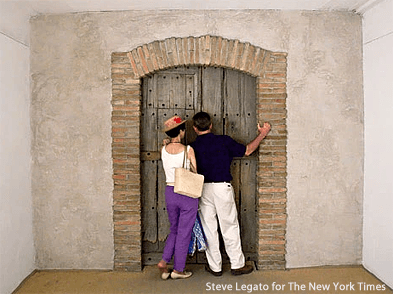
column 191, row 157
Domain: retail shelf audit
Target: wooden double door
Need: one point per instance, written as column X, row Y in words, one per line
column 229, row 97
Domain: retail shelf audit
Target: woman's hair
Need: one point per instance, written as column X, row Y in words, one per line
column 202, row 121
column 176, row 131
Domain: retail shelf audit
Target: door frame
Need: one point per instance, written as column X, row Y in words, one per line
column 270, row 70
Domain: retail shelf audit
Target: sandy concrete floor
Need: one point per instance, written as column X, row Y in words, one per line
column 343, row 279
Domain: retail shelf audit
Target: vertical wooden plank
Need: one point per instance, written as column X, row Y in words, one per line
column 148, row 248
column 149, row 129
column 193, row 102
column 190, row 133
column 236, row 184
column 212, row 99
column 162, row 216
column 163, row 90
column 163, row 226
column 240, row 115
column 198, row 90
column 190, row 91
column 149, row 116
column 240, row 106
column 149, row 200
column 145, row 91
column 248, row 211
column 149, row 92
column 248, row 113
column 177, row 90
column 149, row 168
column 232, row 106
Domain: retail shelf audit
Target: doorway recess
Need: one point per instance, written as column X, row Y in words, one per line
column 270, row 72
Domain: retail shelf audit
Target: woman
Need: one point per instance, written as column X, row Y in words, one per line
column 182, row 210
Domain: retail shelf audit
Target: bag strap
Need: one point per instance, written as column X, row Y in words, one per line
column 191, row 168
column 185, row 157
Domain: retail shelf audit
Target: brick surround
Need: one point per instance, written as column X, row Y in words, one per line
column 270, row 69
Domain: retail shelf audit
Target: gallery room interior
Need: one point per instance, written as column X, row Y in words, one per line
column 76, row 81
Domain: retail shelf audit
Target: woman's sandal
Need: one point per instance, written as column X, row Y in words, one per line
column 165, row 274
column 184, row 275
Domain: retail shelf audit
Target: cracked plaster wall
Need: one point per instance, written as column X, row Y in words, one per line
column 71, row 125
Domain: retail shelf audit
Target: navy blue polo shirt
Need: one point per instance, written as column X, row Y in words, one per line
column 214, row 154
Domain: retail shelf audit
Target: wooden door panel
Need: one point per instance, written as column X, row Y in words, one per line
column 236, row 183
column 149, row 120
column 191, row 94
column 178, row 91
column 165, row 94
column 162, row 219
column 240, row 106
column 233, row 106
column 248, row 113
column 229, row 97
column 248, row 211
column 149, row 92
column 212, row 96
column 190, row 133
column 163, row 90
column 149, row 200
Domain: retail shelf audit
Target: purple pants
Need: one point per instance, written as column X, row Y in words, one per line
column 182, row 211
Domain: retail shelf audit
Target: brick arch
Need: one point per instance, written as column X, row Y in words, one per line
column 128, row 68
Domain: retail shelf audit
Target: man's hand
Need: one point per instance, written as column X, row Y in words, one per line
column 265, row 129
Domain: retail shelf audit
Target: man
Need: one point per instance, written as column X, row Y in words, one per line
column 214, row 154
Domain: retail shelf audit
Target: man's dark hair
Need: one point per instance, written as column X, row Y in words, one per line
column 202, row 121
column 176, row 131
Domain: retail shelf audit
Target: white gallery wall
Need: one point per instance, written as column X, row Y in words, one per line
column 16, row 224
column 378, row 183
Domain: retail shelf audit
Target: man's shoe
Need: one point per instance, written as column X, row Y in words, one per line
column 208, row 269
column 242, row 271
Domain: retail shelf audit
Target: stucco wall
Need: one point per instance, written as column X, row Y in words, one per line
column 71, row 121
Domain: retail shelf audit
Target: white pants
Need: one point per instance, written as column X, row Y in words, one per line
column 218, row 201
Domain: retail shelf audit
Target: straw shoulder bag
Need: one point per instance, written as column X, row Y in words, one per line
column 186, row 182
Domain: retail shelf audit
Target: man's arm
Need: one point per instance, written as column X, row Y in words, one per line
column 253, row 145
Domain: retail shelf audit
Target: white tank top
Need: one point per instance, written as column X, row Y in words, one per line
column 172, row 161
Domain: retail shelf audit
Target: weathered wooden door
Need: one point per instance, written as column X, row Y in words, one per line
column 229, row 97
